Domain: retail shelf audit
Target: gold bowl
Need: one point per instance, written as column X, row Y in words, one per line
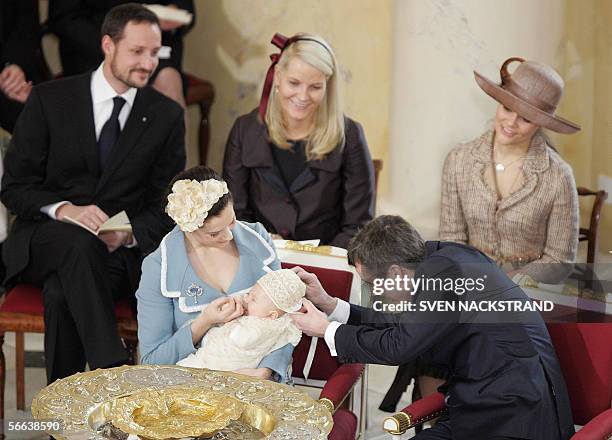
column 175, row 413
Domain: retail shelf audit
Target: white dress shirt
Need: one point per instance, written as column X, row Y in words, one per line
column 102, row 94
column 339, row 316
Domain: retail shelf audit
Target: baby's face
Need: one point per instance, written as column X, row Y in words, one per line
column 258, row 303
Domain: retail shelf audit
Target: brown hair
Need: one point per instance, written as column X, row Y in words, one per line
column 118, row 17
column 384, row 241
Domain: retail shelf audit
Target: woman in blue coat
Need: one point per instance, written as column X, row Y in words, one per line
column 195, row 278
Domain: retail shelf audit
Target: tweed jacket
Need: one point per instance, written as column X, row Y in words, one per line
column 535, row 229
column 171, row 295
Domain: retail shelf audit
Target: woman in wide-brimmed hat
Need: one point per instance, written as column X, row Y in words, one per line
column 508, row 192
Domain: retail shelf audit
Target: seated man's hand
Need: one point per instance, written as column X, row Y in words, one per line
column 315, row 292
column 90, row 215
column 262, row 373
column 12, row 79
column 115, row 239
column 21, row 94
column 310, row 320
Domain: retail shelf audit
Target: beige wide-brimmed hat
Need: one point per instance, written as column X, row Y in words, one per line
column 533, row 91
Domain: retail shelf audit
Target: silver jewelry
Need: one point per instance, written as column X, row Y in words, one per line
column 194, row 291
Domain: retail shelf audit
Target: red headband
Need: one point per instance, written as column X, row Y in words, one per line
column 282, row 43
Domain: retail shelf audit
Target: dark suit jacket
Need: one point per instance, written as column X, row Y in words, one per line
column 329, row 200
column 504, row 377
column 77, row 24
column 53, row 156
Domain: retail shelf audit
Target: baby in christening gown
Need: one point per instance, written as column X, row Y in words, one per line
column 266, row 326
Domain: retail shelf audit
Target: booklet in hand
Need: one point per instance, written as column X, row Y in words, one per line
column 119, row 222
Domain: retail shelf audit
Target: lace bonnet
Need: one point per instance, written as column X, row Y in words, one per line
column 284, row 288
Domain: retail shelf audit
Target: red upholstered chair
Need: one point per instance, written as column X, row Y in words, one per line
column 22, row 311
column 585, row 355
column 337, row 380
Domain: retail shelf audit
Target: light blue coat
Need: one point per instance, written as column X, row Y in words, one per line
column 171, row 295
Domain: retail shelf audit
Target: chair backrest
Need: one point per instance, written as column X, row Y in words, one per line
column 338, row 284
column 590, row 234
column 378, row 166
column 584, row 351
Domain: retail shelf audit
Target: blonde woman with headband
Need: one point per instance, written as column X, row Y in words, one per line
column 297, row 164
column 194, row 280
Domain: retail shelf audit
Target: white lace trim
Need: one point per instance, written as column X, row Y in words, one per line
column 163, row 273
column 272, row 255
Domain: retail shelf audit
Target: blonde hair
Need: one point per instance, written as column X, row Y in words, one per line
column 328, row 131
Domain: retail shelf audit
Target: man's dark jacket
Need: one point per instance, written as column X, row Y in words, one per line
column 53, row 157
column 504, row 380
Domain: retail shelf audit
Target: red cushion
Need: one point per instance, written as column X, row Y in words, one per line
column 585, row 355
column 425, row 407
column 341, row 382
column 123, row 309
column 338, row 284
column 345, row 425
column 25, row 298
column 598, row 428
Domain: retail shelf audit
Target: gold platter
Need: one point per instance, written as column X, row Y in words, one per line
column 158, row 402
column 175, row 412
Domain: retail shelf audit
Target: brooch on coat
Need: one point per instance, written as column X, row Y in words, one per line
column 194, row 291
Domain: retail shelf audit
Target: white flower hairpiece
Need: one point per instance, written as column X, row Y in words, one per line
column 191, row 200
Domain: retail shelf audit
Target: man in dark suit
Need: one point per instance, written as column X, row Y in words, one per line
column 88, row 147
column 505, row 381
